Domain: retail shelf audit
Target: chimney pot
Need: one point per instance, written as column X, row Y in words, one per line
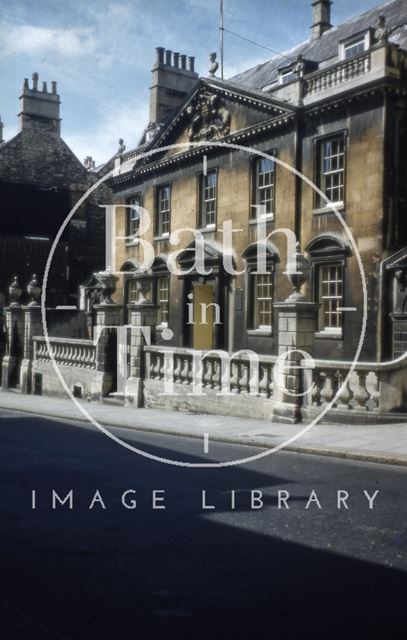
column 25, row 86
column 35, row 81
column 44, row 87
column 54, row 87
column 183, row 61
column 191, row 63
column 160, row 55
column 176, row 59
column 168, row 56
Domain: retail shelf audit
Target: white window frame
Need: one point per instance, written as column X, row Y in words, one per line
column 133, row 219
column 323, row 176
column 261, row 203
column 208, row 198
column 356, row 39
column 257, row 301
column 163, row 213
column 163, row 302
column 330, row 303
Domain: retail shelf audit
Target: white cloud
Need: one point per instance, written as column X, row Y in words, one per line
column 27, row 39
column 102, row 141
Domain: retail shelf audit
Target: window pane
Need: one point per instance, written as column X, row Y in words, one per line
column 332, row 177
column 262, row 290
column 354, row 49
column 164, row 210
column 133, row 216
column 264, row 185
column 330, row 297
column 208, row 185
column 163, row 286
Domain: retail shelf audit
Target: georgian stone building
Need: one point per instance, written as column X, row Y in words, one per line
column 336, row 113
column 307, row 145
column 40, row 181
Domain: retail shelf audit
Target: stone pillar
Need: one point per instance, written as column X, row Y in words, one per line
column 107, row 315
column 14, row 345
column 296, row 332
column 143, row 319
column 32, row 327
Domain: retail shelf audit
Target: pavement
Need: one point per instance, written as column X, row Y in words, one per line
column 384, row 444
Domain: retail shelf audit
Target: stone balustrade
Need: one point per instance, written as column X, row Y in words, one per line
column 68, row 352
column 360, row 393
column 225, row 374
column 233, row 378
column 337, row 74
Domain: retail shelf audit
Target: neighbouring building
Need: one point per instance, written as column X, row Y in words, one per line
column 334, row 109
column 41, row 179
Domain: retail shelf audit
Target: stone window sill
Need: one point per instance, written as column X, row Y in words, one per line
column 339, row 206
column 264, row 333
column 165, row 236
column 133, row 243
column 269, row 217
column 209, row 229
column 329, row 335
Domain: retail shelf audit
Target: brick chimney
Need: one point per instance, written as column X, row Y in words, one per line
column 321, row 13
column 173, row 76
column 39, row 109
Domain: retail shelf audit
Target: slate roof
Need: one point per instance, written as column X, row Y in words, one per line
column 325, row 48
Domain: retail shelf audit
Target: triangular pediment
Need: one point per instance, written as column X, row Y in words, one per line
column 214, row 111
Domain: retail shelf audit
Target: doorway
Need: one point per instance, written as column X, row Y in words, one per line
column 205, row 315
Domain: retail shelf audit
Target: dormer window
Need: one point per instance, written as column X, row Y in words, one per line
column 286, row 76
column 355, row 46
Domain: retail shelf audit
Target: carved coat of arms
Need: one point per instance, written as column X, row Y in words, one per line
column 210, row 120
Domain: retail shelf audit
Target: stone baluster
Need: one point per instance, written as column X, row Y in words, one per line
column 362, row 395
column 244, row 378
column 216, row 374
column 184, row 370
column 327, row 392
column 177, row 368
column 346, row 395
column 234, row 377
column 264, row 381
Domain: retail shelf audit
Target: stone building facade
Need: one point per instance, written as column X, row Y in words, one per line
column 40, row 181
column 305, row 160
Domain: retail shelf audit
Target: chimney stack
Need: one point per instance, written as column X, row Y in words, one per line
column 321, row 13
column 39, row 110
column 171, row 83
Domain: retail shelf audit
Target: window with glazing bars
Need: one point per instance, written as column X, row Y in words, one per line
column 163, row 299
column 264, row 186
column 332, row 169
column 163, row 209
column 262, row 310
column 133, row 217
column 208, row 186
column 131, row 291
column 330, row 297
column 354, row 48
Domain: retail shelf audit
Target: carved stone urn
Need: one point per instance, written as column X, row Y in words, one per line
column 108, row 281
column 297, row 271
column 15, row 292
column 34, row 291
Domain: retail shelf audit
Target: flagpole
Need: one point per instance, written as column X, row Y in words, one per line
column 221, row 33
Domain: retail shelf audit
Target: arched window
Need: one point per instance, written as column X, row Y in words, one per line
column 328, row 260
column 260, row 286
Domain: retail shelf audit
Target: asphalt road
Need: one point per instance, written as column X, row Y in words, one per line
column 185, row 571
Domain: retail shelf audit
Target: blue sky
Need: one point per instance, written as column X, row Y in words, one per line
column 101, row 53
